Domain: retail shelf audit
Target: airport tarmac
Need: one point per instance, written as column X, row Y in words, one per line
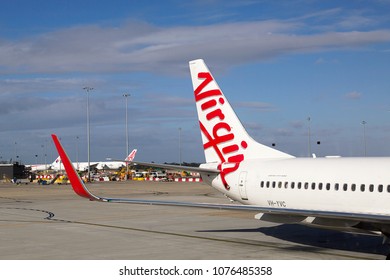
column 52, row 223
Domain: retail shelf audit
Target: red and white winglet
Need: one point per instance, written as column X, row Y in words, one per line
column 75, row 180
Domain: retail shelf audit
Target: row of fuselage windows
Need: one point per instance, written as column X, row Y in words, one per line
column 321, row 186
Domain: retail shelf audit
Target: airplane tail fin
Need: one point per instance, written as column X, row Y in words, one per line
column 225, row 140
column 56, row 161
column 56, row 164
column 131, row 156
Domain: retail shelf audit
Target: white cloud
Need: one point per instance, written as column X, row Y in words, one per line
column 353, row 95
column 142, row 47
column 58, row 102
column 322, row 60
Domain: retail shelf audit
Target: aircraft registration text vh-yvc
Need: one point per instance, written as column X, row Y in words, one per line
column 347, row 194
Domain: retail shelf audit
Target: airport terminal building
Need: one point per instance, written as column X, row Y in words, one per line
column 9, row 171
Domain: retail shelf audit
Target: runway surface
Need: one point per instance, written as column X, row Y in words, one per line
column 51, row 222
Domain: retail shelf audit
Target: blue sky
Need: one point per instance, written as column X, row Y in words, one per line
column 278, row 63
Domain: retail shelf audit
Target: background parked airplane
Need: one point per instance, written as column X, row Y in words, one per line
column 100, row 165
column 349, row 194
column 42, row 167
column 79, row 166
column 116, row 164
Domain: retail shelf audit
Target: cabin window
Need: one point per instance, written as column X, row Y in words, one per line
column 362, row 187
column 262, row 184
column 388, row 188
column 299, row 185
column 380, row 188
column 273, row 184
column 345, row 187
column 292, row 185
column 306, row 185
column 353, row 187
column 279, row 185
column 371, row 188
column 285, row 185
column 267, row 184
column 327, row 186
column 336, row 187
column 313, row 186
column 320, row 186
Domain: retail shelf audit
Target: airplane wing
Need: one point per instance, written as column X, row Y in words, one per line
column 177, row 167
column 269, row 212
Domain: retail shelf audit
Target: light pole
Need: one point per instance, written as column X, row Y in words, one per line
column 126, row 95
column 43, row 153
column 319, row 143
column 77, row 152
column 364, row 137
column 87, row 90
column 180, row 145
column 45, row 148
column 15, row 152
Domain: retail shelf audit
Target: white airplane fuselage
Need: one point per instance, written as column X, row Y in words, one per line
column 356, row 185
column 112, row 165
column 38, row 167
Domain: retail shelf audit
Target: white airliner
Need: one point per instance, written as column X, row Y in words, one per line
column 43, row 167
column 349, row 194
column 58, row 165
column 100, row 165
column 113, row 165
